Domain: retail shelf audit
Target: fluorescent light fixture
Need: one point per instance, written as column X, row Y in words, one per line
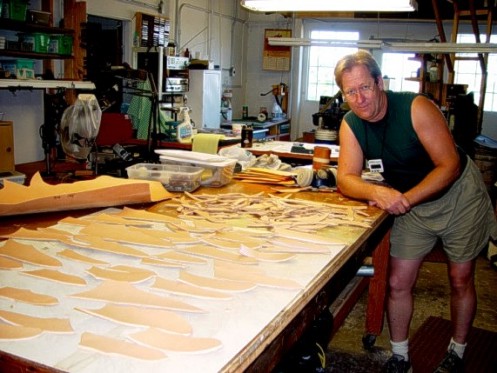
column 441, row 47
column 302, row 42
column 413, row 47
column 288, row 42
column 330, row 5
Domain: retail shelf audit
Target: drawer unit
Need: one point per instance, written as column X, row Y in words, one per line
column 6, row 146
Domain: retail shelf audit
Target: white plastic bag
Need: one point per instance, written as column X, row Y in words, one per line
column 80, row 125
column 244, row 157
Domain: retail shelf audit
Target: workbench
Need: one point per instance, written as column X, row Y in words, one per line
column 284, row 151
column 256, row 327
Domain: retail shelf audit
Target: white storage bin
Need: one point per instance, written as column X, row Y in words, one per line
column 218, row 171
column 175, row 178
column 14, row 176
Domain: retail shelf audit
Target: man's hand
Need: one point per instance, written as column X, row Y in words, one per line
column 390, row 200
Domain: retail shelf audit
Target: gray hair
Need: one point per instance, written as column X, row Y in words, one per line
column 361, row 57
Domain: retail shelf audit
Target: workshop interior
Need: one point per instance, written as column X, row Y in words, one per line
column 146, row 145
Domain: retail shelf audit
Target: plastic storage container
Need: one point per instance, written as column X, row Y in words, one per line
column 25, row 69
column 14, row 176
column 41, row 42
column 17, row 9
column 39, row 17
column 60, row 44
column 65, row 44
column 218, row 171
column 26, row 42
column 9, row 66
column 175, row 178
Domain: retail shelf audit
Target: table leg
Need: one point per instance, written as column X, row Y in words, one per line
column 377, row 292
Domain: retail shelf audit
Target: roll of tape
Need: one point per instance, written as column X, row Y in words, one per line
column 304, row 176
column 261, row 117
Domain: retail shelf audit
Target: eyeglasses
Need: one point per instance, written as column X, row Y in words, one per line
column 365, row 89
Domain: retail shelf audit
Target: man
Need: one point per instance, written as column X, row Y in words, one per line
column 434, row 190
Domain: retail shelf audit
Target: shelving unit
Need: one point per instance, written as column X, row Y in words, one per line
column 474, row 12
column 74, row 66
column 14, row 84
column 430, row 82
column 72, row 10
column 13, row 25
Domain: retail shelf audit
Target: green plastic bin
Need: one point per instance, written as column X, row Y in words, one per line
column 41, row 42
column 65, row 44
column 60, row 44
column 18, row 9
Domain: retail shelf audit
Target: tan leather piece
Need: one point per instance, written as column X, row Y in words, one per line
column 115, row 346
column 175, row 343
column 51, row 324
column 14, row 332
column 124, row 293
column 28, row 254
column 141, row 316
column 57, row 276
column 27, row 296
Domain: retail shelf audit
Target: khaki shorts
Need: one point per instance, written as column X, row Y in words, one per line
column 463, row 218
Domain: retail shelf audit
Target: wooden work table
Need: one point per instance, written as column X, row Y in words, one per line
column 255, row 350
column 283, row 149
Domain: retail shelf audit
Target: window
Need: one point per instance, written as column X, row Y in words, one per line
column 469, row 72
column 322, row 61
column 398, row 67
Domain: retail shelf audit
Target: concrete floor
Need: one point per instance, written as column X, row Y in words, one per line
column 345, row 351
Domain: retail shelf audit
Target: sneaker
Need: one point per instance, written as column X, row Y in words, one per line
column 451, row 363
column 397, row 364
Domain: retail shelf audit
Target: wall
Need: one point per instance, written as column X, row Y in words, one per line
column 216, row 30
column 25, row 109
column 229, row 36
column 260, row 81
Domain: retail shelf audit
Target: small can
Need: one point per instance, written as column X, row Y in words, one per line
column 321, row 157
column 247, row 135
column 244, row 112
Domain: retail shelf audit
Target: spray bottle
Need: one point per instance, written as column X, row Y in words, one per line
column 184, row 130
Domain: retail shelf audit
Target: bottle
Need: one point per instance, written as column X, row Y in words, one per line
column 247, row 135
column 184, row 131
column 171, row 49
column 229, row 113
column 277, row 113
column 244, row 112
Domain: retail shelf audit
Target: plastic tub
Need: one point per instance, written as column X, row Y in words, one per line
column 13, row 176
column 60, row 44
column 175, row 178
column 65, row 45
column 39, row 17
column 10, row 66
column 25, row 69
column 41, row 42
column 18, row 10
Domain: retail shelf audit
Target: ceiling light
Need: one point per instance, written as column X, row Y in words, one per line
column 330, row 5
column 405, row 46
column 441, row 47
column 302, row 42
